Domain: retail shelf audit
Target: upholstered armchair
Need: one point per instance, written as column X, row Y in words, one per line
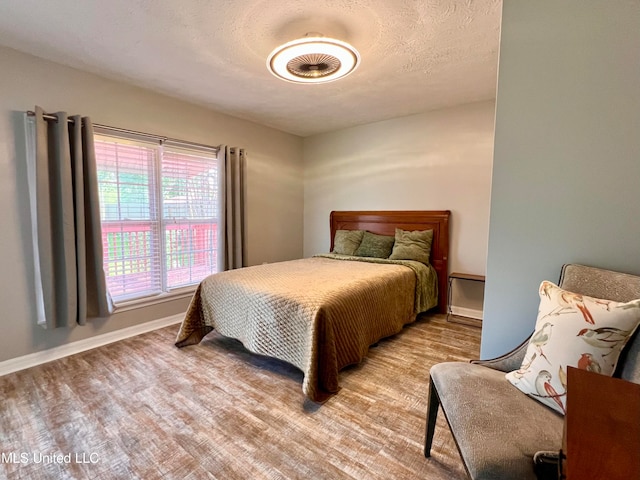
column 497, row 428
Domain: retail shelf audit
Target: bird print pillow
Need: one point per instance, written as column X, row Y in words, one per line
column 572, row 330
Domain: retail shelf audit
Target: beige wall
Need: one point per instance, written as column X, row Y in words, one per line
column 433, row 161
column 275, row 187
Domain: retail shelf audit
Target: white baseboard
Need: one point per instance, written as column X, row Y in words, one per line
column 466, row 312
column 38, row 358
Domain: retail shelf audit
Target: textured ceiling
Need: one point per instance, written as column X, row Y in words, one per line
column 417, row 55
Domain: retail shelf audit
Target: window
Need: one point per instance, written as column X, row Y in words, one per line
column 158, row 210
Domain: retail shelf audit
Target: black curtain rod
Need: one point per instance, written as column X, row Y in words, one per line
column 54, row 118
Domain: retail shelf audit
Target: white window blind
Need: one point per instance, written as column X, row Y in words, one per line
column 158, row 207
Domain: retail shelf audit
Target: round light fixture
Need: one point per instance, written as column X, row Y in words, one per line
column 313, row 59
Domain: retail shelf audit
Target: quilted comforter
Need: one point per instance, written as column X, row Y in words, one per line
column 319, row 314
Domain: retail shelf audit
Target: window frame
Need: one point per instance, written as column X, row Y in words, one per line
column 157, row 219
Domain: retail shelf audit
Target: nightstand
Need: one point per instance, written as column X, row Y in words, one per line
column 459, row 318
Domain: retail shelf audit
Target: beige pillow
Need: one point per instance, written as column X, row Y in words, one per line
column 572, row 330
column 346, row 242
column 415, row 245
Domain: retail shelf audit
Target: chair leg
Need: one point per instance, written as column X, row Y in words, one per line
column 432, row 413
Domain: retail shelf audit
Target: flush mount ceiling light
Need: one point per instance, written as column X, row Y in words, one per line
column 313, row 59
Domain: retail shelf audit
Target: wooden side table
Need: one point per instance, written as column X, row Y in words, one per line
column 601, row 428
column 462, row 276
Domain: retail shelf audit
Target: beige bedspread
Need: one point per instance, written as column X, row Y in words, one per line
column 319, row 314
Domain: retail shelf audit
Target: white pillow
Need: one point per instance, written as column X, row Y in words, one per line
column 572, row 330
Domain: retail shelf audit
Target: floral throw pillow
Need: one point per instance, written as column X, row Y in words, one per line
column 572, row 330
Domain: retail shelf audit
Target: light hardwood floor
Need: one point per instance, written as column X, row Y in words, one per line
column 141, row 408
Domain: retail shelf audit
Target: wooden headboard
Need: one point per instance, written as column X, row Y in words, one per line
column 386, row 222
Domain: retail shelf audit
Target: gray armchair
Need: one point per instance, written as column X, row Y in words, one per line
column 497, row 428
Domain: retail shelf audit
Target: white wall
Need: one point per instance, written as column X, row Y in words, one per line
column 275, row 183
column 566, row 171
column 433, row 161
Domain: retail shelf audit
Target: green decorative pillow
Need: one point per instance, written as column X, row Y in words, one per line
column 415, row 245
column 374, row 245
column 346, row 242
column 572, row 330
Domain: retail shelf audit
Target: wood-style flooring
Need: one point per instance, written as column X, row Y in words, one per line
column 143, row 409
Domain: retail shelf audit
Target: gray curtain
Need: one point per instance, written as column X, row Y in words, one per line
column 231, row 227
column 68, row 222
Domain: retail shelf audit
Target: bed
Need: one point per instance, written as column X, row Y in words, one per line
column 324, row 312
